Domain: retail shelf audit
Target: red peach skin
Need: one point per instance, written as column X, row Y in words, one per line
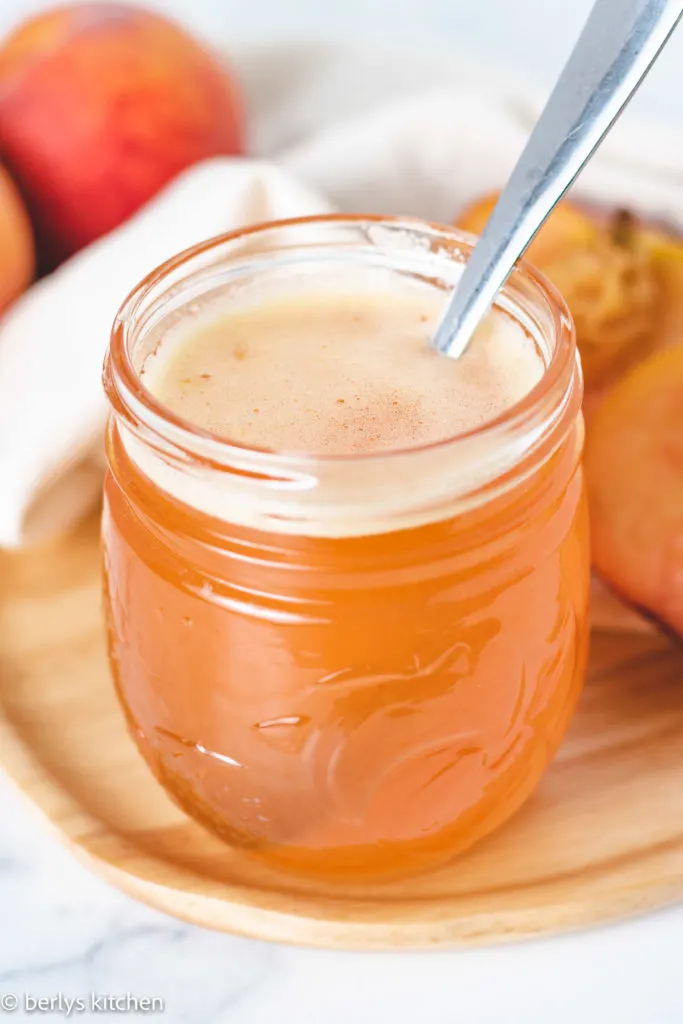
column 100, row 106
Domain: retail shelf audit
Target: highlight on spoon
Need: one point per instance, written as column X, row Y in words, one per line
column 617, row 47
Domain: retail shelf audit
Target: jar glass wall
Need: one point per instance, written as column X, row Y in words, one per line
column 351, row 665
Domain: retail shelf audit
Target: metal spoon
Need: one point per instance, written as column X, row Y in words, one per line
column 619, row 43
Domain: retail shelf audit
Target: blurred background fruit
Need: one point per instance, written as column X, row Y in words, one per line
column 634, row 469
column 17, row 260
column 568, row 228
column 667, row 256
column 623, row 282
column 101, row 104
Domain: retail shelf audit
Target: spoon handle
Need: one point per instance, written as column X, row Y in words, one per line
column 619, row 43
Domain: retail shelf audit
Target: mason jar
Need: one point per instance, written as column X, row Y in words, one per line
column 348, row 665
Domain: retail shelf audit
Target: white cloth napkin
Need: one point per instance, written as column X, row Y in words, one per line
column 334, row 127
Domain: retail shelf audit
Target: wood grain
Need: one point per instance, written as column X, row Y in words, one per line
column 602, row 837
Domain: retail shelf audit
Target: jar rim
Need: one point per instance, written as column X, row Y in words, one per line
column 131, row 399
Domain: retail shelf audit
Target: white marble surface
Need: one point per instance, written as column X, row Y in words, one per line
column 62, row 930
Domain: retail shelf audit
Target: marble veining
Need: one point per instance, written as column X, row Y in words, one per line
column 63, row 930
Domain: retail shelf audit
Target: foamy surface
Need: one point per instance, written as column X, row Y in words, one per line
column 338, row 373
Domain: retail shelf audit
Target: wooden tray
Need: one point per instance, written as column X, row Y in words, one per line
column 602, row 838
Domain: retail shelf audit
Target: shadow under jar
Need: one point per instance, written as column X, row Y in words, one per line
column 354, row 665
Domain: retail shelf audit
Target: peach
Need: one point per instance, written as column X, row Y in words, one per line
column 634, row 471
column 17, row 261
column 566, row 229
column 615, row 295
column 667, row 256
column 101, row 104
column 606, row 271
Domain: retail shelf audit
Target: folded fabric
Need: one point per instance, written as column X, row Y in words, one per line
column 52, row 341
column 351, row 128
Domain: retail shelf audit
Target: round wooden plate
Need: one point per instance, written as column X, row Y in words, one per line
column 602, row 837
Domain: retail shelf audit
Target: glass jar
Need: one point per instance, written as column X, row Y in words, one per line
column 353, row 665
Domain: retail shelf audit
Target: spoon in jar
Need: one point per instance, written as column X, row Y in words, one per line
column 618, row 45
